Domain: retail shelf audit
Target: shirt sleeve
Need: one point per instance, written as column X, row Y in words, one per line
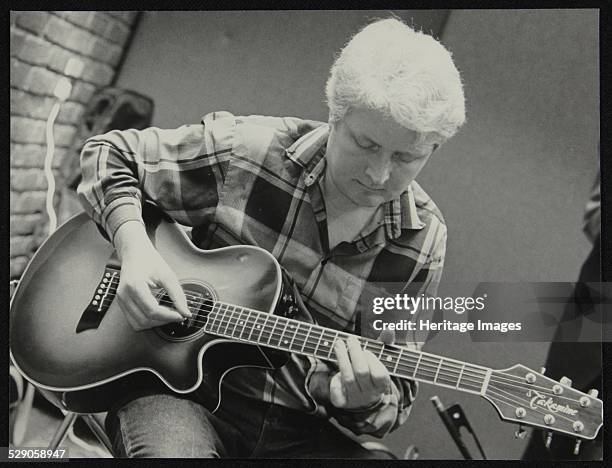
column 394, row 407
column 180, row 170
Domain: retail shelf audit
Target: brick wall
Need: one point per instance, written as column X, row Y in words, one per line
column 41, row 43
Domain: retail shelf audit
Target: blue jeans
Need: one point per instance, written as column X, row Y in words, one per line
column 168, row 425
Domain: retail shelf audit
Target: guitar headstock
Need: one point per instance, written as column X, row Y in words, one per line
column 529, row 398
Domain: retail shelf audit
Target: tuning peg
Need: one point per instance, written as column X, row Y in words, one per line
column 577, row 446
column 548, row 441
column 542, row 370
column 566, row 381
column 593, row 393
column 520, row 432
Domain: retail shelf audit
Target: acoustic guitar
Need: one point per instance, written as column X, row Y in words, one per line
column 68, row 335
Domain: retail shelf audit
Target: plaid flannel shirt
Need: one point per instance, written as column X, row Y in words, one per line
column 256, row 180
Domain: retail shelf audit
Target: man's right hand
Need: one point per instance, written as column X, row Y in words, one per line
column 143, row 269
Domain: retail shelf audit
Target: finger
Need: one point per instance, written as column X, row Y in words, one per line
column 133, row 314
column 344, row 364
column 387, row 336
column 359, row 364
column 379, row 374
column 140, row 296
column 162, row 315
column 176, row 293
column 146, row 308
column 337, row 394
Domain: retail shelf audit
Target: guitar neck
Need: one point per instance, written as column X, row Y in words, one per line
column 260, row 328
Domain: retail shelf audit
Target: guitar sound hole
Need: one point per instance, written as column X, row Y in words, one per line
column 199, row 299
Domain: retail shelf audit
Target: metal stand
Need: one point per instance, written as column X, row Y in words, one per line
column 454, row 418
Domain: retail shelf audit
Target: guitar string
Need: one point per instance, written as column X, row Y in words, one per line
column 559, row 396
column 503, row 375
column 436, row 362
column 449, row 378
column 236, row 321
column 522, row 400
column 504, row 381
column 444, row 374
column 514, row 404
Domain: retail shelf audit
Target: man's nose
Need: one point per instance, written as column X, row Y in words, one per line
column 379, row 169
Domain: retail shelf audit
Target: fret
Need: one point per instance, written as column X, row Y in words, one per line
column 229, row 319
column 231, row 324
column 219, row 321
column 365, row 346
column 399, row 356
column 235, row 324
column 460, row 374
column 318, row 342
column 282, row 341
column 388, row 357
column 210, row 318
column 246, row 322
column 272, row 330
column 306, row 339
column 239, row 322
column 226, row 321
column 263, row 327
column 253, row 327
column 417, row 365
column 297, row 328
column 331, row 346
column 438, row 370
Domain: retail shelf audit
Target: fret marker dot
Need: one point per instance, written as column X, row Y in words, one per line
column 388, row 358
column 241, row 322
column 286, row 341
column 258, row 326
column 326, row 343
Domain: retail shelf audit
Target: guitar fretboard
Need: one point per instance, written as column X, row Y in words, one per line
column 264, row 329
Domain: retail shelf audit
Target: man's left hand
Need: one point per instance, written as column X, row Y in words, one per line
column 362, row 379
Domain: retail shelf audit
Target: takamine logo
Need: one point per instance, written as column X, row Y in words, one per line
column 541, row 401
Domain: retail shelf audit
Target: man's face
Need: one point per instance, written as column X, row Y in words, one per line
column 371, row 159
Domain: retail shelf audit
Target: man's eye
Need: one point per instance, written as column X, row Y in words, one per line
column 366, row 146
column 406, row 158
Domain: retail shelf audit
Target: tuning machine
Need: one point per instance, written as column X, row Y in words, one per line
column 577, row 446
column 548, row 441
column 520, row 432
column 565, row 381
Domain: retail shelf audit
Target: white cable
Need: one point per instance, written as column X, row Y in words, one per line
column 49, row 167
column 61, row 92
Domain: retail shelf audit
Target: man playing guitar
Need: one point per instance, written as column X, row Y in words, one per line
column 337, row 205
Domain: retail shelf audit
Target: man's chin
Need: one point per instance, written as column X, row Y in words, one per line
column 371, row 199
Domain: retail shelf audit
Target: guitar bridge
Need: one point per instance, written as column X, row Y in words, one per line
column 100, row 300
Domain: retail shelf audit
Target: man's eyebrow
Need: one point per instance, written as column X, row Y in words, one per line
column 361, row 136
column 372, row 142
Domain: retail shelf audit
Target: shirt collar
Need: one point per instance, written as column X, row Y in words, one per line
column 309, row 152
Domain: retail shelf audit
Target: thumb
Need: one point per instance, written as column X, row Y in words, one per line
column 387, row 336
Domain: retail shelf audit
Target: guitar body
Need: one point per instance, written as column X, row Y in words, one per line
column 63, row 343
